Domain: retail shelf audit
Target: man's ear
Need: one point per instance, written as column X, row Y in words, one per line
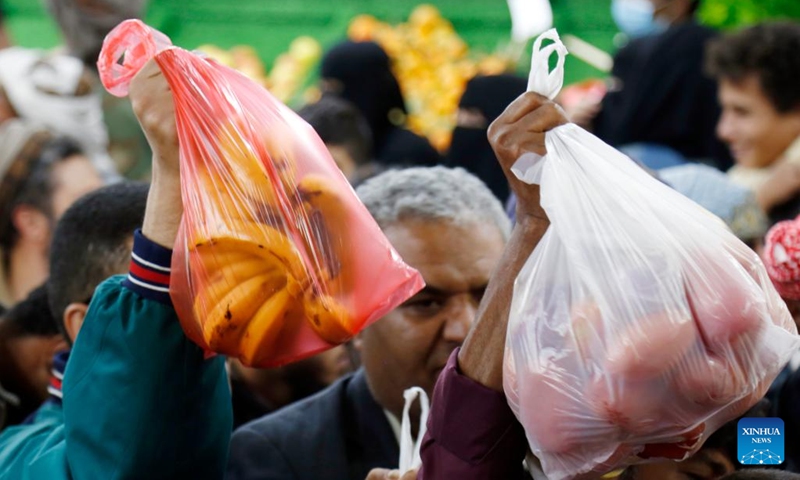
column 33, row 225
column 73, row 319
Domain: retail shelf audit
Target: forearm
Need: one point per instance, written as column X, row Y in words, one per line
column 489, row 332
column 765, row 199
column 164, row 210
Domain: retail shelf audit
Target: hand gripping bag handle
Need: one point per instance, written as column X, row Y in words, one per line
column 545, row 82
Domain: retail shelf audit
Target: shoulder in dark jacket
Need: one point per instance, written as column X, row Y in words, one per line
column 339, row 434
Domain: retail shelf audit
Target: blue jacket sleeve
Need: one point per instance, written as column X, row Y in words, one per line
column 140, row 399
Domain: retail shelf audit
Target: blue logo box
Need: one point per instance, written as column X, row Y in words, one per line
column 760, row 441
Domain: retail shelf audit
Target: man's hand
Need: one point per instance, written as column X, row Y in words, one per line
column 383, row 474
column 152, row 102
column 782, row 186
column 518, row 130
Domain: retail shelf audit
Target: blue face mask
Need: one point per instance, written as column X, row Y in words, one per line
column 635, row 18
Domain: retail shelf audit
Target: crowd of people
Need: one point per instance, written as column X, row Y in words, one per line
column 98, row 380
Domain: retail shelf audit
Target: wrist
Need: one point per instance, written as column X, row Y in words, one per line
column 531, row 221
column 764, row 199
column 164, row 209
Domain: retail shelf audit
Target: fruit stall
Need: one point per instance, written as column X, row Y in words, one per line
column 435, row 47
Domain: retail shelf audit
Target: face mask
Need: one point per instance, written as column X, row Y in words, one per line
column 635, row 18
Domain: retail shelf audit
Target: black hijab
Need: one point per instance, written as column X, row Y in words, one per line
column 470, row 148
column 364, row 73
column 364, row 77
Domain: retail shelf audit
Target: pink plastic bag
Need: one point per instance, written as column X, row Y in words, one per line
column 276, row 258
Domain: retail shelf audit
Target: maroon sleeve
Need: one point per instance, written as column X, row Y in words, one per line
column 472, row 433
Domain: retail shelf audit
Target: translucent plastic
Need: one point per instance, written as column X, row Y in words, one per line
column 276, row 258
column 639, row 324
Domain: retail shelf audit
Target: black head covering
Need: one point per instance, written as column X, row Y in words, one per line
column 470, row 148
column 367, row 81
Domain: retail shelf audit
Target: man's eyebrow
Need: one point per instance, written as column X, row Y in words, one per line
column 429, row 290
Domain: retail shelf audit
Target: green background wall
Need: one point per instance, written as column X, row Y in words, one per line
column 270, row 25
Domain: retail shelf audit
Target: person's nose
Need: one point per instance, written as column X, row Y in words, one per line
column 460, row 318
column 725, row 127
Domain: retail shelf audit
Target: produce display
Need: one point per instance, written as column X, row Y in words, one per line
column 433, row 65
column 431, row 61
column 288, row 73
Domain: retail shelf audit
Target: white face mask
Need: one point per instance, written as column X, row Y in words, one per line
column 636, row 18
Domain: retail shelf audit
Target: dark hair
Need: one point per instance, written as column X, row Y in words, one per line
column 37, row 188
column 90, row 242
column 31, row 317
column 338, row 122
column 761, row 474
column 694, row 6
column 769, row 51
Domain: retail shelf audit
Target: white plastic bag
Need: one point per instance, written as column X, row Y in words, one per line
column 639, row 324
column 409, row 448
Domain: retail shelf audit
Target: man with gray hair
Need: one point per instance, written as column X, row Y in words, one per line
column 445, row 223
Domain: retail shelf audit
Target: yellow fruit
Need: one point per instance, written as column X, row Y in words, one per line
column 263, row 330
column 493, row 65
column 332, row 248
column 425, row 16
column 218, row 54
column 225, row 322
column 362, row 28
column 329, row 319
column 264, row 241
column 306, row 51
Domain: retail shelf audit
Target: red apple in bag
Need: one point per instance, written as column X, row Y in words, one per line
column 707, row 381
column 651, row 347
column 726, row 303
column 554, row 415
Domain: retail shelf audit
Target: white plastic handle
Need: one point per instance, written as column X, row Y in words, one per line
column 409, row 449
column 529, row 167
column 541, row 80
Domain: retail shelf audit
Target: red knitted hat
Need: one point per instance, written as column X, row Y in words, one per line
column 782, row 258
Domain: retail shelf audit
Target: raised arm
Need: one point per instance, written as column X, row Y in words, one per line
column 472, row 433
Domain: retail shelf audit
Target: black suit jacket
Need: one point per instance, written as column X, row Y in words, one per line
column 339, row 434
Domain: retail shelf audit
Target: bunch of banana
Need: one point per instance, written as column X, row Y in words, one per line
column 433, row 65
column 289, row 70
column 269, row 253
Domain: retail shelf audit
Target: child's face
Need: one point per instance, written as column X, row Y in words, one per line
column 755, row 131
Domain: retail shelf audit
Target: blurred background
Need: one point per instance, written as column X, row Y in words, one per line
column 435, row 47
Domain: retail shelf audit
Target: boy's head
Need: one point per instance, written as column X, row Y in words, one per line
column 92, row 242
column 29, row 338
column 40, row 176
column 343, row 130
column 757, row 69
